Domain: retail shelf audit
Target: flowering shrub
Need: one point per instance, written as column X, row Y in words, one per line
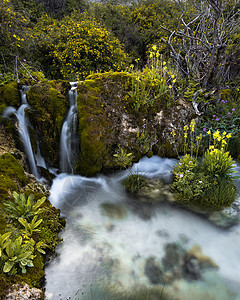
column 78, row 46
column 207, row 183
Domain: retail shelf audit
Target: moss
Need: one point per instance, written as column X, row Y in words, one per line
column 10, row 94
column 98, row 96
column 34, row 275
column 48, row 110
column 10, row 167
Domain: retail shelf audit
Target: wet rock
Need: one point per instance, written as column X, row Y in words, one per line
column 227, row 217
column 114, row 211
column 173, row 256
column 195, row 262
column 153, row 271
column 24, row 292
column 153, row 191
column 204, row 260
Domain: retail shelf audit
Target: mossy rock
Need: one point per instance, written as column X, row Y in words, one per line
column 12, row 176
column 108, row 118
column 49, row 109
column 10, row 94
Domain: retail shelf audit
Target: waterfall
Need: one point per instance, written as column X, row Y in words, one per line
column 22, row 127
column 69, row 140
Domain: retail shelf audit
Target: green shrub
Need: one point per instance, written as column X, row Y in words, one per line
column 208, row 183
column 16, row 254
column 22, row 207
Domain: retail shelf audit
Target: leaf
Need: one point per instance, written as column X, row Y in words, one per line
column 17, row 244
column 8, row 266
column 39, row 203
column 37, row 223
column 23, row 222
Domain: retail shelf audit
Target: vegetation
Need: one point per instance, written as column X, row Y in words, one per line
column 133, row 182
column 207, row 183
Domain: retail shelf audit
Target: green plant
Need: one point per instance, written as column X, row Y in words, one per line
column 122, row 158
column 207, row 183
column 30, row 227
column 218, row 163
column 133, row 182
column 16, row 254
column 4, row 240
column 22, row 207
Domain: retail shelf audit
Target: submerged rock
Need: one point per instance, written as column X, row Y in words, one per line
column 153, row 271
column 114, row 211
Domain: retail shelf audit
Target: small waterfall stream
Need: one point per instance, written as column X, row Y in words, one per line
column 22, row 127
column 113, row 243
column 68, row 142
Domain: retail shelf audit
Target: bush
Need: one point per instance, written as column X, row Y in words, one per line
column 208, row 183
column 76, row 46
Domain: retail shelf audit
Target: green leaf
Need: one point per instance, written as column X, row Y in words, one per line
column 8, row 266
column 39, row 203
column 23, row 222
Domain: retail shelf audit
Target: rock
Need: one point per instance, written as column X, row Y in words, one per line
column 153, row 191
column 114, row 211
column 24, row 292
column 153, row 271
column 204, row 261
column 173, row 258
column 227, row 217
column 195, row 262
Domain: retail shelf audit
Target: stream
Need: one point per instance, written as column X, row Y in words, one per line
column 116, row 248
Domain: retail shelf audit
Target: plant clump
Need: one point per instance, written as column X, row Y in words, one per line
column 206, row 183
column 133, row 182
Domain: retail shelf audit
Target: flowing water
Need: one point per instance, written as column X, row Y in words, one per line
column 69, row 142
column 110, row 237
column 22, row 126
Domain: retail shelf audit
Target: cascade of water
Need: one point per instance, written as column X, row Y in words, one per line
column 69, row 141
column 22, row 127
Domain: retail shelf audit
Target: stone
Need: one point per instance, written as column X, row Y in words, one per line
column 24, row 292
column 153, row 271
column 114, row 211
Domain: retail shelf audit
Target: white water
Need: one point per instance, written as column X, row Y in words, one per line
column 68, row 133
column 100, row 250
column 22, row 127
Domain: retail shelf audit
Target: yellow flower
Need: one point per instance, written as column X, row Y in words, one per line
column 186, row 127
column 209, row 131
column 169, row 86
column 154, row 47
column 229, row 136
column 216, row 134
column 192, row 125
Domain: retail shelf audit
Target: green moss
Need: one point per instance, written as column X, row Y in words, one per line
column 49, row 108
column 10, row 94
column 10, row 167
column 34, row 275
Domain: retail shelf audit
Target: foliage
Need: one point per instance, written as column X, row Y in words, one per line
column 16, row 253
column 31, row 227
column 24, row 208
column 133, row 182
column 76, row 46
column 122, row 158
column 207, row 183
column 151, row 85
